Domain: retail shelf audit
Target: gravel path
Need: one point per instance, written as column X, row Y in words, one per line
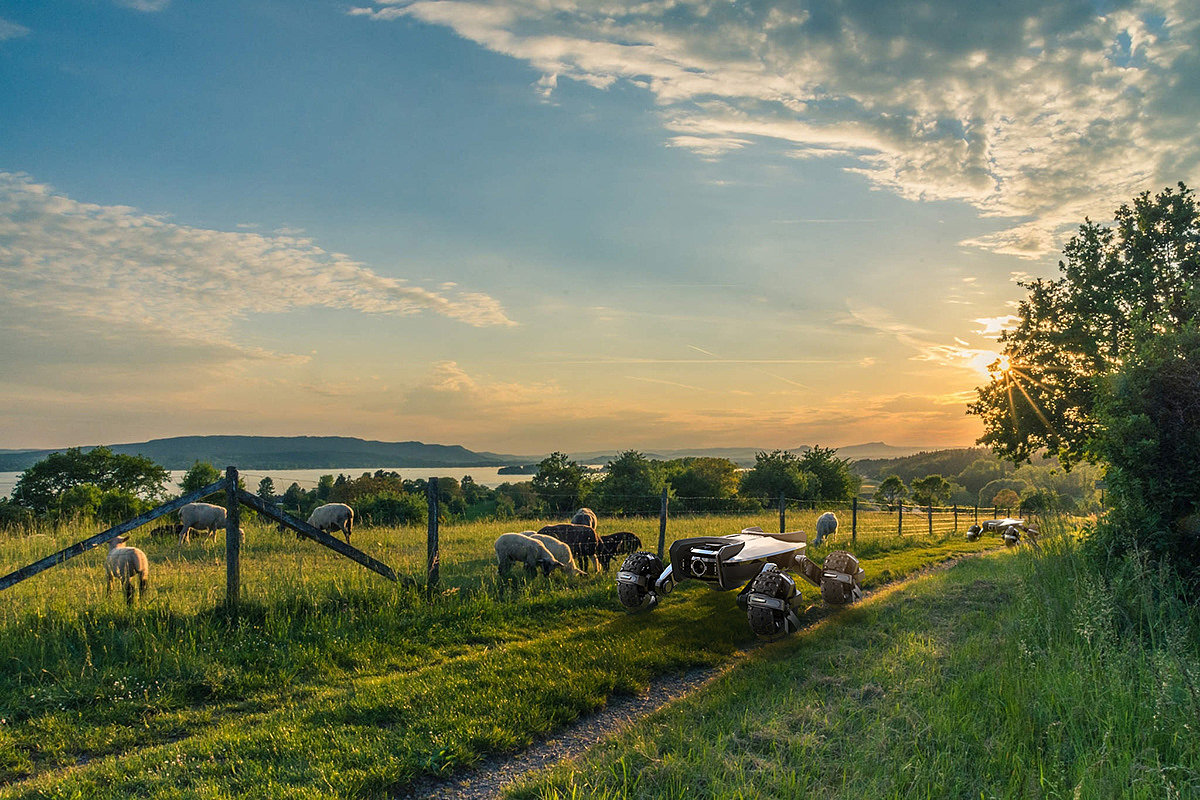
column 491, row 776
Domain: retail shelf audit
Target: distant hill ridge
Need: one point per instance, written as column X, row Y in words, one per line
column 334, row 452
column 283, row 452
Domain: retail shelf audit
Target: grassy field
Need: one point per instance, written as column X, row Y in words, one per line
column 333, row 682
column 1013, row 676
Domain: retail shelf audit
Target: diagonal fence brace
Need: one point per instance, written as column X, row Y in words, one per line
column 98, row 539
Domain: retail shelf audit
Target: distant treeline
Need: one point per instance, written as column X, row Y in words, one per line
column 111, row 487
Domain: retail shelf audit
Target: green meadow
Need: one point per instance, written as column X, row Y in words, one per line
column 331, row 681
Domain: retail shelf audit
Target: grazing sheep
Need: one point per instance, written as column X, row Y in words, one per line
column 584, row 516
column 1011, row 536
column 517, row 547
column 615, row 544
column 333, row 517
column 582, row 540
column 560, row 551
column 973, row 533
column 826, row 526
column 123, row 563
column 201, row 517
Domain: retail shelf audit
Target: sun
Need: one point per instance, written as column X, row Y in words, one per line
column 1003, row 364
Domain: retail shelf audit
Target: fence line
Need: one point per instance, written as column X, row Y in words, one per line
column 234, row 499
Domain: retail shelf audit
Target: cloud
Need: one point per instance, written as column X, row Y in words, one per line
column 11, row 30
column 1033, row 112
column 144, row 5
column 75, row 266
column 958, row 355
column 994, row 326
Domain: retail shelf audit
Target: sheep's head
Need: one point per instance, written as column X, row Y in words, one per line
column 550, row 565
column 117, row 541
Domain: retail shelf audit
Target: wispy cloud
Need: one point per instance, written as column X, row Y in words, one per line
column 144, row 5
column 1039, row 112
column 78, row 273
column 11, row 30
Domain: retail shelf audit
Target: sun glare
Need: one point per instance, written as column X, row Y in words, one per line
column 1003, row 364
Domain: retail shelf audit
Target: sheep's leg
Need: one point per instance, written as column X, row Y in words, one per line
column 128, row 591
column 108, row 588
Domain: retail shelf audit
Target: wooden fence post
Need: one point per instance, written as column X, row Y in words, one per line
column 854, row 521
column 977, row 513
column 900, row 519
column 930, row 512
column 782, row 513
column 432, row 561
column 662, row 524
column 233, row 539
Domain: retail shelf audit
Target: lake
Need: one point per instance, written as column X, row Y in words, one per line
column 307, row 478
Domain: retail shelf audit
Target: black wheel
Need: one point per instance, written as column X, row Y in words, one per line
column 635, row 581
column 844, row 588
column 767, row 618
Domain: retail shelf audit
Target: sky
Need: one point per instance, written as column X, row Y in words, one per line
column 535, row 225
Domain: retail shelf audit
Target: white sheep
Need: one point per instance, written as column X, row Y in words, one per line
column 123, row 563
column 517, row 547
column 201, row 517
column 584, row 516
column 560, row 550
column 826, row 526
column 333, row 517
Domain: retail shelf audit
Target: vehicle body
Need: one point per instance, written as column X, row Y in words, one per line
column 756, row 561
column 1013, row 531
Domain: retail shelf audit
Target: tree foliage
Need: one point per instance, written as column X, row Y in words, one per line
column 778, row 473
column 40, row 487
column 1119, row 286
column 560, row 483
column 633, row 485
column 705, row 483
column 835, row 480
column 266, row 489
column 199, row 475
column 891, row 491
column 1150, row 412
column 932, row 490
column 1104, row 365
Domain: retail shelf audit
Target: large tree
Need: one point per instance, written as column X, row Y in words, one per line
column 932, row 490
column 633, row 485
column 39, row 487
column 779, row 473
column 1119, row 286
column 1104, row 365
column 560, row 482
column 891, row 491
column 835, row 479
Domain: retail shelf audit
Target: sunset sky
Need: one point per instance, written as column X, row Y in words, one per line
column 544, row 224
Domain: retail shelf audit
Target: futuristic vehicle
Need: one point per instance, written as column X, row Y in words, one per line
column 758, row 559
column 1013, row 531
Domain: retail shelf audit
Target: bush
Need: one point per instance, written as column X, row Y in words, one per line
column 1149, row 415
column 392, row 508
